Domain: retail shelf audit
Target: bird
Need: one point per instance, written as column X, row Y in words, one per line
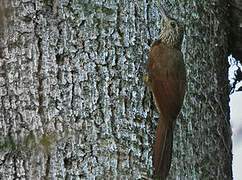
column 166, row 78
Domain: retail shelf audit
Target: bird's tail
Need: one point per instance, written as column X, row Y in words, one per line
column 162, row 150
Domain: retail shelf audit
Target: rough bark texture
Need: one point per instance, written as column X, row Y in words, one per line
column 203, row 134
column 73, row 104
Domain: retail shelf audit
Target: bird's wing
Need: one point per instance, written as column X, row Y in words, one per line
column 167, row 73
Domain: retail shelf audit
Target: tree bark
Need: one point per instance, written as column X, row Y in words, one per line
column 203, row 136
column 73, row 102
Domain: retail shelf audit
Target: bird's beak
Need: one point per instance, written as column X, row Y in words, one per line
column 162, row 11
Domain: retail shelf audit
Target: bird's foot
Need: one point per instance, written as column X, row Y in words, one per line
column 146, row 79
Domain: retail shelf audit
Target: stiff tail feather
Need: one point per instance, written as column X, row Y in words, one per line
column 162, row 150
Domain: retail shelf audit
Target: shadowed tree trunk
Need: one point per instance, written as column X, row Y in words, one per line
column 73, row 103
column 235, row 43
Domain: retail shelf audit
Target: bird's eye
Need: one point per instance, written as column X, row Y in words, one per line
column 173, row 24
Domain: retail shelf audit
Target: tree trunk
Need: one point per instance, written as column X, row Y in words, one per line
column 203, row 136
column 73, row 102
column 235, row 43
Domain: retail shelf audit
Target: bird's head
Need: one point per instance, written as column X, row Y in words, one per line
column 171, row 30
